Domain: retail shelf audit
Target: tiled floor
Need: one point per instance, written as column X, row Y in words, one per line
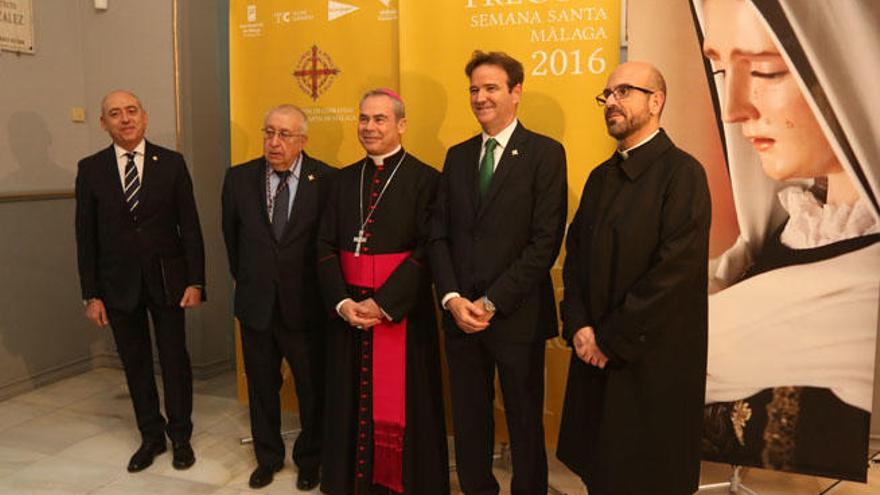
column 75, row 437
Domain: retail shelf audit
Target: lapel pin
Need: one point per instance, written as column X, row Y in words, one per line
column 514, row 152
column 155, row 158
column 311, row 177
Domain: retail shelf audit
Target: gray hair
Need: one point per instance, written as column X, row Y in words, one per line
column 396, row 101
column 124, row 91
column 290, row 109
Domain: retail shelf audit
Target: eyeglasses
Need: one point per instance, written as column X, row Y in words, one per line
column 620, row 92
column 269, row 133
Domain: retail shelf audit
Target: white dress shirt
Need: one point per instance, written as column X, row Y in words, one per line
column 122, row 160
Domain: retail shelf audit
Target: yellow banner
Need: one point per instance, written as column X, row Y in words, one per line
column 567, row 47
column 317, row 54
column 323, row 54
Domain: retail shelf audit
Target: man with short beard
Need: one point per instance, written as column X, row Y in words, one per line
column 635, row 304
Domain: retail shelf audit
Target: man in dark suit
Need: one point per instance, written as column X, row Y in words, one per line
column 635, row 305
column 496, row 231
column 271, row 209
column 139, row 247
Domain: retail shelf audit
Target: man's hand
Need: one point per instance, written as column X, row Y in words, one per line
column 487, row 315
column 370, row 308
column 470, row 317
column 192, row 297
column 96, row 312
column 359, row 315
column 586, row 349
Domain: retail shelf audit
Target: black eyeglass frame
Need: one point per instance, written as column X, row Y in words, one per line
column 269, row 133
column 620, row 92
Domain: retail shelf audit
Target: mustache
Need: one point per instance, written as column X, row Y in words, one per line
column 613, row 110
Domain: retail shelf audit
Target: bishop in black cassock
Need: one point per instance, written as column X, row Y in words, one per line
column 384, row 425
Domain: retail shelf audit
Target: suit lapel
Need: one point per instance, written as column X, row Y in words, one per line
column 473, row 176
column 258, row 182
column 151, row 164
column 304, row 189
column 112, row 173
column 513, row 153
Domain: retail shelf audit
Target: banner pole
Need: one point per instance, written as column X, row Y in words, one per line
column 735, row 485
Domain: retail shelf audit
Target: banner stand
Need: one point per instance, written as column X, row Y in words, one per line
column 284, row 434
column 735, row 485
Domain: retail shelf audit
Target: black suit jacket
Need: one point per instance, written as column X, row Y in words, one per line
column 503, row 246
column 264, row 268
column 162, row 250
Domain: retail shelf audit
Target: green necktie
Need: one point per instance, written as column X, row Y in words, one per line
column 487, row 166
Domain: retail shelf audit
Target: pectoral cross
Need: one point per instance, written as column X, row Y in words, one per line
column 359, row 239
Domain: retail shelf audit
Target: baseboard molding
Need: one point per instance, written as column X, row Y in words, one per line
column 101, row 360
column 204, row 371
column 46, row 377
column 874, row 442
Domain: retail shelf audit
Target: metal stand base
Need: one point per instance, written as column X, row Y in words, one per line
column 284, row 434
column 735, row 485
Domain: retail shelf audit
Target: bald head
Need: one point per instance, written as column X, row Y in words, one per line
column 642, row 74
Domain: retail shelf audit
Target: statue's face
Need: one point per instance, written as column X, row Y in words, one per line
column 762, row 95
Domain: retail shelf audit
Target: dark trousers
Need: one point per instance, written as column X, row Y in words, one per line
column 131, row 331
column 304, row 352
column 472, row 362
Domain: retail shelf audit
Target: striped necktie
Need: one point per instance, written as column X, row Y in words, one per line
column 132, row 186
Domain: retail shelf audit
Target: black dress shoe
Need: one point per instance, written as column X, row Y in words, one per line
column 263, row 475
column 184, row 457
column 306, row 480
column 143, row 458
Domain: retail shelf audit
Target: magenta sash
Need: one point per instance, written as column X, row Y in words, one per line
column 389, row 369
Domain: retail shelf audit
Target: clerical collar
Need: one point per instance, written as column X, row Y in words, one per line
column 380, row 159
column 502, row 137
column 624, row 154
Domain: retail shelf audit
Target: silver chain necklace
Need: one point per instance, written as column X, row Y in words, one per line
column 359, row 239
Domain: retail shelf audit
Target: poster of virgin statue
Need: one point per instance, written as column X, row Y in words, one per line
column 793, row 305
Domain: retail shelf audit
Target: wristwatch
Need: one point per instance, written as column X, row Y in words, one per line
column 487, row 304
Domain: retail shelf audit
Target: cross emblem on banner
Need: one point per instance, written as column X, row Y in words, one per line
column 315, row 72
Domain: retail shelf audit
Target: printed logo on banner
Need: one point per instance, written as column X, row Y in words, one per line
column 335, row 10
column 251, row 29
column 290, row 16
column 315, row 72
column 388, row 13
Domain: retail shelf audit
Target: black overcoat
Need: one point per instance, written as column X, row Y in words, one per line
column 636, row 271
